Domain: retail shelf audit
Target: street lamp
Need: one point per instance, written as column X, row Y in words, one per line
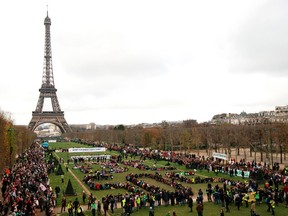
column 11, row 143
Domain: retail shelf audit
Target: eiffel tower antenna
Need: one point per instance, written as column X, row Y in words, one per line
column 48, row 90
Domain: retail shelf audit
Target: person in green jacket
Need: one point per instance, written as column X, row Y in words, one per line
column 93, row 208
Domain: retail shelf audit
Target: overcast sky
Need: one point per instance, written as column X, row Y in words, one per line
column 129, row 62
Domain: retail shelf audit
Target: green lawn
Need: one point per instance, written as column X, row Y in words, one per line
column 209, row 208
column 65, row 145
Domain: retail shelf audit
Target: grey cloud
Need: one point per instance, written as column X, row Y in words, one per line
column 126, row 68
column 262, row 43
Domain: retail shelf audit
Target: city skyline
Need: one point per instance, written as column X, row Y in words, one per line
column 134, row 62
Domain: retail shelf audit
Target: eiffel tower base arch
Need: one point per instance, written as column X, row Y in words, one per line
column 56, row 118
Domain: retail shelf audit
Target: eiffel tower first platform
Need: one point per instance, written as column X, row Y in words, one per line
column 47, row 91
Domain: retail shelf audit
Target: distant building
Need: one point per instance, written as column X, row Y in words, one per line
column 91, row 126
column 280, row 114
column 47, row 130
column 281, row 110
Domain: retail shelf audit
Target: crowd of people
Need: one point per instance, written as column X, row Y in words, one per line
column 25, row 187
column 139, row 164
column 226, row 192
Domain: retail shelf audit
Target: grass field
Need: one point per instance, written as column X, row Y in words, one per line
column 209, row 208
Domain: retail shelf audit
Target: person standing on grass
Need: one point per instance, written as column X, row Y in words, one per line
column 75, row 205
column 209, row 192
column 190, row 203
column 70, row 208
column 267, row 200
column 227, row 202
column 57, row 191
column 63, row 204
column 83, row 196
column 93, row 208
column 151, row 211
column 138, row 202
column 112, row 201
column 99, row 208
column 222, row 212
column 199, row 209
column 90, row 201
column 245, row 198
column 272, row 205
column 253, row 208
column 79, row 211
column 105, row 206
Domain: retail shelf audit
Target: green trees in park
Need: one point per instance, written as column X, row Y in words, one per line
column 5, row 124
column 13, row 140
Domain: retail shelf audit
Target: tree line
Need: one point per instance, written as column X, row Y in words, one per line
column 267, row 140
column 13, row 140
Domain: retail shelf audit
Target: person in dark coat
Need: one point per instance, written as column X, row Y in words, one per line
column 105, row 206
column 200, row 209
column 112, row 203
column 227, row 202
column 75, row 205
column 190, row 203
column 84, row 197
column 238, row 200
column 172, row 198
column 63, row 204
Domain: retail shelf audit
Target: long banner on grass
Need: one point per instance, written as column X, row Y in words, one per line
column 97, row 149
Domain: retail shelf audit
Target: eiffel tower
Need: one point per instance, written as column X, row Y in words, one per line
column 48, row 90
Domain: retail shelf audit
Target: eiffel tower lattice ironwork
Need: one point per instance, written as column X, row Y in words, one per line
column 48, row 90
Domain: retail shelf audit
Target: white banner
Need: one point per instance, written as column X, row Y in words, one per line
column 97, row 149
column 87, row 157
column 43, row 188
column 246, row 173
column 220, row 155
